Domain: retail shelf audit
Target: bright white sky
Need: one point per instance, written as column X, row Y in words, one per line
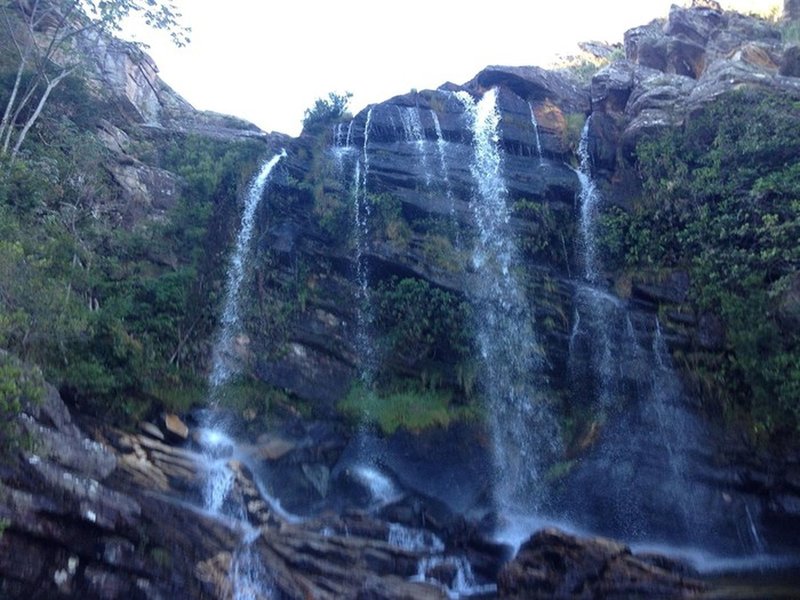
column 268, row 60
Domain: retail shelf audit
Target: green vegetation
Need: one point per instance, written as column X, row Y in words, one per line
column 326, row 111
column 572, row 134
column 549, row 237
column 421, row 322
column 403, row 404
column 19, row 386
column 722, row 200
column 117, row 309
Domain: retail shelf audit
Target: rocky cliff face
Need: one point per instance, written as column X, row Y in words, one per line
column 365, row 279
column 411, row 155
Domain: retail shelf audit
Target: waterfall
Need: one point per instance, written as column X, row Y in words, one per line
column 524, row 433
column 536, row 134
column 340, row 148
column 415, row 133
column 249, row 579
column 223, row 354
column 590, row 200
column 603, row 312
column 441, row 149
column 216, row 445
column 361, row 215
column 646, row 456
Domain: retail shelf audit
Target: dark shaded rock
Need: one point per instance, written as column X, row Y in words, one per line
column 672, row 289
column 696, row 24
column 791, row 9
column 552, row 564
column 602, row 142
column 612, row 86
column 309, row 373
column 639, row 40
column 790, row 65
column 710, row 332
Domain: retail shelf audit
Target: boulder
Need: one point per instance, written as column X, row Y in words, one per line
column 533, row 84
column 790, row 63
column 553, row 564
column 612, row 86
column 175, row 426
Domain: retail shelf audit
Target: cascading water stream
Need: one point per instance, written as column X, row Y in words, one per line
column 214, row 439
column 223, row 359
column 601, row 309
column 590, row 200
column 650, row 452
column 441, row 149
column 361, row 214
column 415, row 133
column 537, row 139
column 249, row 579
column 524, row 433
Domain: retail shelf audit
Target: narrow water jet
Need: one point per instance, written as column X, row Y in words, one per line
column 536, row 137
column 361, row 213
column 223, row 357
column 589, row 201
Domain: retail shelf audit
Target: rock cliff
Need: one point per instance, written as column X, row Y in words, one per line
column 361, row 302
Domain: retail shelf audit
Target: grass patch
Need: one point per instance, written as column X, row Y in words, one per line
column 180, row 398
column 404, row 405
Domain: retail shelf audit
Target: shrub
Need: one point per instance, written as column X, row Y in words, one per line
column 19, row 385
column 421, row 322
column 326, row 111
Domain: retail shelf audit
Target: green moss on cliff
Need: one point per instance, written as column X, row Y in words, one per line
column 404, row 404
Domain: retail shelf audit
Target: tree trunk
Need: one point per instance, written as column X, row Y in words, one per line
column 51, row 85
column 6, row 122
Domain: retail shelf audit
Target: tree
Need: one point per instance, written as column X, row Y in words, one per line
column 326, row 110
column 44, row 33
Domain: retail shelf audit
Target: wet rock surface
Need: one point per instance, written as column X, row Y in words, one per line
column 553, row 564
column 124, row 522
